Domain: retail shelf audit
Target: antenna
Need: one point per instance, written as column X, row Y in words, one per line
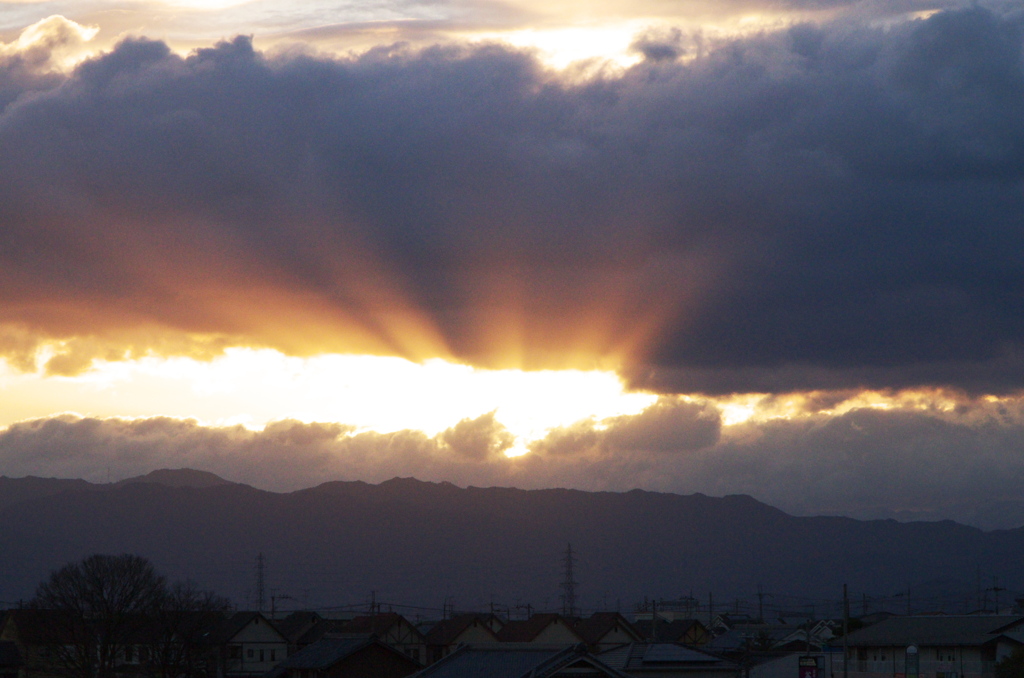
column 259, row 582
column 568, row 584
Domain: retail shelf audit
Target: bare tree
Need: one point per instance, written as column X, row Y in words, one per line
column 185, row 614
column 99, row 603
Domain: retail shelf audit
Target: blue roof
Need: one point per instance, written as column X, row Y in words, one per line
column 670, row 652
column 511, row 660
column 325, row 652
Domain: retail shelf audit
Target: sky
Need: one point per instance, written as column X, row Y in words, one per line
column 771, row 248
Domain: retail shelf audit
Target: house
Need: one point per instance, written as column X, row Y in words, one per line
column 520, row 660
column 966, row 646
column 605, row 630
column 44, row 640
column 295, row 625
column 390, row 628
column 245, row 644
column 10, row 660
column 685, row 631
column 446, row 635
column 347, row 657
column 809, row 636
column 547, row 628
column 52, row 642
column 658, row 660
column 730, row 620
column 787, row 665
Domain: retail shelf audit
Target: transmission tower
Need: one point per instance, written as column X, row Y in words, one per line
column 568, row 584
column 259, row 582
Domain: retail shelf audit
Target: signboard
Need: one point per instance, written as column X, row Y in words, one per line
column 808, row 667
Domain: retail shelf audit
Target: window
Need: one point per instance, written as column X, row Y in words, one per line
column 261, row 655
column 128, row 653
column 273, row 655
column 249, row 653
column 143, row 654
column 235, row 652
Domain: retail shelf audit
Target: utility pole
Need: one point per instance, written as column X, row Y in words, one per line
column 760, row 605
column 978, row 577
column 996, row 588
column 260, row 582
column 846, row 633
column 568, row 584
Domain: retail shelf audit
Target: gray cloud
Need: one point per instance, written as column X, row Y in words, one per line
column 965, row 463
column 825, row 206
column 660, row 45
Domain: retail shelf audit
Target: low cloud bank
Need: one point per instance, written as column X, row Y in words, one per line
column 965, row 463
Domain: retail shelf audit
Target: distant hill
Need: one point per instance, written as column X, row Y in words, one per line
column 418, row 543
column 15, row 490
column 182, row 477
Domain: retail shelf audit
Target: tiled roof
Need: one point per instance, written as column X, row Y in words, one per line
column 933, row 631
column 600, row 624
column 668, row 631
column 377, row 625
column 641, row 656
column 445, row 632
column 525, row 630
column 326, row 652
column 230, row 627
column 295, row 624
column 513, row 660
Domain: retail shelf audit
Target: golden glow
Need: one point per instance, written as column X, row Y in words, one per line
column 63, row 40
column 560, row 47
column 253, row 387
column 208, row 5
column 758, row 407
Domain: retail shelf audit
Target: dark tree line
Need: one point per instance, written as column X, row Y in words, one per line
column 111, row 613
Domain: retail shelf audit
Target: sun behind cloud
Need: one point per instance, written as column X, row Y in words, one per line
column 383, row 394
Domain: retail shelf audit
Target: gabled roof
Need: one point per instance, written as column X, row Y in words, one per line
column 327, row 652
column 233, row 625
column 525, row 630
column 297, row 623
column 934, row 631
column 668, row 631
column 594, row 628
column 515, row 660
column 663, row 656
column 320, row 629
column 446, row 631
column 727, row 642
column 378, row 625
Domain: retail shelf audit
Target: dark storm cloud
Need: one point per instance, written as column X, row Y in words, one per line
column 665, row 45
column 820, row 207
column 964, row 462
